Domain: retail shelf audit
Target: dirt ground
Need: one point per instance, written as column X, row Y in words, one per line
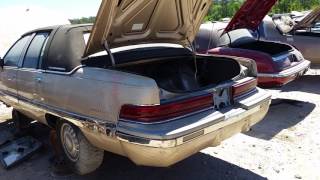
column 285, row 145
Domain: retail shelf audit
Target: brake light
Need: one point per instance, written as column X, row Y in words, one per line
column 264, row 66
column 244, row 87
column 269, row 82
column 158, row 113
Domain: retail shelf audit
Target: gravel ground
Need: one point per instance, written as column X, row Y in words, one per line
column 285, row 145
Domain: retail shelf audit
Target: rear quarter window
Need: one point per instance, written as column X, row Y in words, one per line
column 35, row 51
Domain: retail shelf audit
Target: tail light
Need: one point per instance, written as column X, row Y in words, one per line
column 156, row 113
column 265, row 67
column 244, row 87
column 269, row 82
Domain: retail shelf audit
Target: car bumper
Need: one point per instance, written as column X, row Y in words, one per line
column 283, row 77
column 164, row 144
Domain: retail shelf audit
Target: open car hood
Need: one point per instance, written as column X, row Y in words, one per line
column 250, row 15
column 130, row 22
column 309, row 20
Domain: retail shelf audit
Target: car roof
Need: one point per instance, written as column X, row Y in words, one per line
column 65, row 26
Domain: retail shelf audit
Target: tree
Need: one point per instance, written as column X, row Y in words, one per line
column 227, row 8
column 84, row 20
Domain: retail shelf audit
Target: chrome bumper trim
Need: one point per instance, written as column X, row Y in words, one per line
column 231, row 117
column 302, row 67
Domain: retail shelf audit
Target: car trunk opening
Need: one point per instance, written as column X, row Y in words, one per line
column 270, row 48
column 281, row 57
column 190, row 86
column 187, row 83
column 245, row 39
column 186, row 74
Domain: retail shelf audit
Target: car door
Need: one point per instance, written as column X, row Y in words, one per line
column 29, row 76
column 9, row 73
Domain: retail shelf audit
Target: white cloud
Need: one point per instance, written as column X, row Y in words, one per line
column 18, row 20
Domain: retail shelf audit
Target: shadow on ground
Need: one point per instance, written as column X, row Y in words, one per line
column 199, row 166
column 37, row 130
column 306, row 83
column 283, row 114
column 6, row 132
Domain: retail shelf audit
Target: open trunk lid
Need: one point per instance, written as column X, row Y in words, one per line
column 250, row 15
column 130, row 22
column 309, row 20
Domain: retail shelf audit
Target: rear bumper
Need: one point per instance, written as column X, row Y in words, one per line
column 162, row 145
column 283, row 77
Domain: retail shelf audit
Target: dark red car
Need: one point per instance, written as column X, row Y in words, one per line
column 277, row 63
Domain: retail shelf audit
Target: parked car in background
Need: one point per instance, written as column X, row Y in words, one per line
column 295, row 15
column 156, row 104
column 303, row 34
column 277, row 63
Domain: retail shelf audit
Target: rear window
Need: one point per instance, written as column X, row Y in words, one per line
column 237, row 37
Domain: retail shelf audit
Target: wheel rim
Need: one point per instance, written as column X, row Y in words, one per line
column 70, row 142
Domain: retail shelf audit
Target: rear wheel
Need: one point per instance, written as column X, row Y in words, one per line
column 82, row 157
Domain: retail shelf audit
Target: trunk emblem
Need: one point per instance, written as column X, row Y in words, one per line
column 221, row 98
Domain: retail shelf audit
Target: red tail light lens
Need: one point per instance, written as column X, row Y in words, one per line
column 265, row 67
column 244, row 87
column 267, row 82
column 158, row 113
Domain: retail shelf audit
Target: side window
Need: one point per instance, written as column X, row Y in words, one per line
column 35, row 51
column 13, row 56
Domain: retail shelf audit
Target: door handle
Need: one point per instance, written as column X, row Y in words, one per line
column 38, row 79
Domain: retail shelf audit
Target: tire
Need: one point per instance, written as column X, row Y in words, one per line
column 82, row 157
column 20, row 122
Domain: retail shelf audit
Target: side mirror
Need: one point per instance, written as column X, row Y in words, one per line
column 1, row 62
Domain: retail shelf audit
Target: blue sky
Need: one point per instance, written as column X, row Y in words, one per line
column 72, row 8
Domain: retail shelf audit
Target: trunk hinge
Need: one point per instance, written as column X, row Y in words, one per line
column 194, row 53
column 107, row 48
column 258, row 33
